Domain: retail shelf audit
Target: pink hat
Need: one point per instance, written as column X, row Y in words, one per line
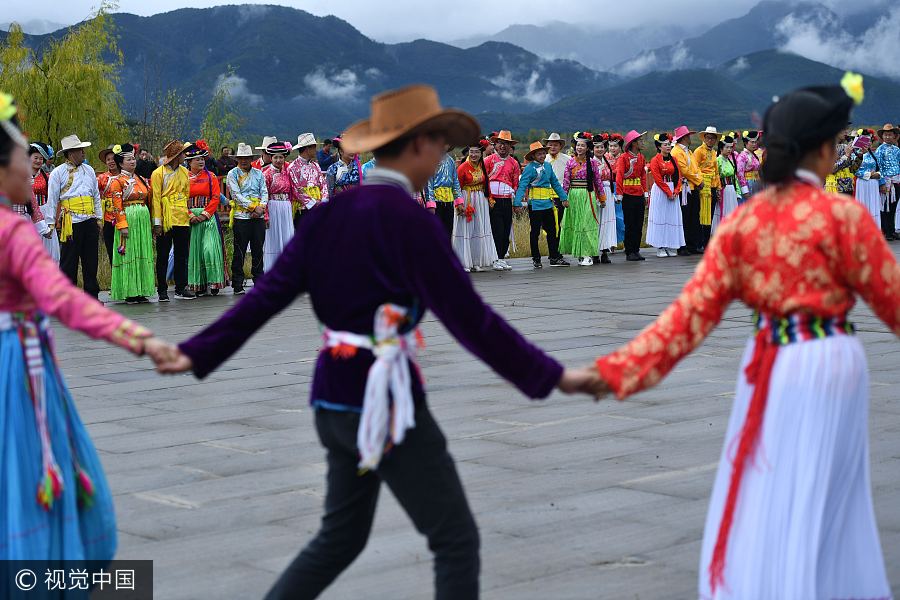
column 631, row 136
column 682, row 132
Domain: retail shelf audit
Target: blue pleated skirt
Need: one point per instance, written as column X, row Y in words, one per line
column 28, row 531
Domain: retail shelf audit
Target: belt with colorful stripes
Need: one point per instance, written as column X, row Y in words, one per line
column 801, row 327
column 198, row 201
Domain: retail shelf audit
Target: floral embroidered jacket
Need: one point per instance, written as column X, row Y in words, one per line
column 794, row 249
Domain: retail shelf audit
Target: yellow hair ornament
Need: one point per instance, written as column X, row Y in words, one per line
column 853, row 86
column 7, row 108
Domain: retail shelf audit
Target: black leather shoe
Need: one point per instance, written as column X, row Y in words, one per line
column 684, row 252
column 604, row 259
column 632, row 258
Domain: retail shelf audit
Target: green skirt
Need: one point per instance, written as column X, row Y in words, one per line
column 206, row 265
column 133, row 273
column 580, row 229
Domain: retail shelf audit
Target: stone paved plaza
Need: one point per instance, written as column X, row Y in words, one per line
column 220, row 483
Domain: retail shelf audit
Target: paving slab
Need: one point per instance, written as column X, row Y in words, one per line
column 221, row 482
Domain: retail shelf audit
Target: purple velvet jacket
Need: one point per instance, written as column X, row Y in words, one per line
column 405, row 258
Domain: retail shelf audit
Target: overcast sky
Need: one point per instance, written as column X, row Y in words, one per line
column 397, row 20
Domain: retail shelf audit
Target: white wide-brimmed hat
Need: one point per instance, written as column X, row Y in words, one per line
column 245, row 151
column 269, row 139
column 553, row 137
column 711, row 130
column 71, row 142
column 304, row 140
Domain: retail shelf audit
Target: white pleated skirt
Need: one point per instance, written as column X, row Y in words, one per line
column 727, row 204
column 608, row 236
column 472, row 240
column 665, row 228
column 280, row 231
column 804, row 526
column 869, row 195
column 51, row 245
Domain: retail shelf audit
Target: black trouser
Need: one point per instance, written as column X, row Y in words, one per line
column 560, row 209
column 109, row 231
column 888, row 224
column 82, row 247
column 706, row 230
column 501, row 223
column 445, row 211
column 633, row 211
column 690, row 216
column 421, row 475
column 543, row 219
column 180, row 237
column 252, row 232
column 297, row 216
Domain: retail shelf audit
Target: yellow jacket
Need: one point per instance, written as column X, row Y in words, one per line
column 705, row 159
column 170, row 190
column 687, row 166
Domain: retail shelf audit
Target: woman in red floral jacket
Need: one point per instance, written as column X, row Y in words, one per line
column 791, row 510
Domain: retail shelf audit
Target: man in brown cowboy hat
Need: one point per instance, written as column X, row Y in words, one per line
column 171, row 189
column 888, row 157
column 395, row 262
column 539, row 182
column 503, row 172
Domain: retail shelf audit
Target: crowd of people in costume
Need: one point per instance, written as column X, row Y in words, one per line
column 798, row 524
column 586, row 198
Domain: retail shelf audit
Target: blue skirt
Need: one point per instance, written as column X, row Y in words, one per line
column 620, row 223
column 28, row 531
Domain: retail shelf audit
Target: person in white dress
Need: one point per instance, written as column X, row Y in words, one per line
column 665, row 229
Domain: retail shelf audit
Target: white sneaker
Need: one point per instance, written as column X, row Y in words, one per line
column 586, row 261
column 671, row 252
column 661, row 253
column 506, row 265
column 477, row 269
column 467, row 269
column 498, row 265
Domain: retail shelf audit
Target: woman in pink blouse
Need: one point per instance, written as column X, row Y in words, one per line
column 54, row 500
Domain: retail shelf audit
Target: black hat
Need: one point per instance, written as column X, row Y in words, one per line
column 122, row 149
column 198, row 149
column 803, row 119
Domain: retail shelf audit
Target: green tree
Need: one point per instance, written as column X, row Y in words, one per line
column 222, row 124
column 164, row 118
column 71, row 86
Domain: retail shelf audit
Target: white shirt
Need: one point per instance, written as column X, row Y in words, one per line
column 558, row 165
column 84, row 183
column 383, row 176
column 809, row 177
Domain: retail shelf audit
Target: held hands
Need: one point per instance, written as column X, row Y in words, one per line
column 167, row 357
column 585, row 380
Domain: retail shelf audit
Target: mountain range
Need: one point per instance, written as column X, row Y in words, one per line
column 730, row 96
column 284, row 82
column 596, row 47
